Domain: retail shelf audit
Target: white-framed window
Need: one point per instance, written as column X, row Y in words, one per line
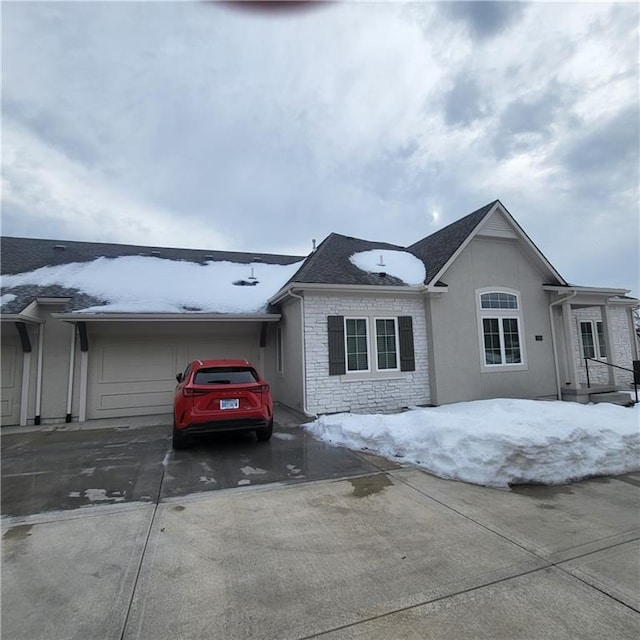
column 363, row 354
column 356, row 335
column 279, row 351
column 366, row 346
column 388, row 358
column 592, row 339
column 500, row 329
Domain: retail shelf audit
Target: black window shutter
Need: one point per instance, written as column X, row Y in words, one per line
column 337, row 363
column 407, row 355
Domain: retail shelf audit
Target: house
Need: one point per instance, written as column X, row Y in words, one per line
column 473, row 311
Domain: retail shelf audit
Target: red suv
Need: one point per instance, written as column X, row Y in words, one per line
column 221, row 395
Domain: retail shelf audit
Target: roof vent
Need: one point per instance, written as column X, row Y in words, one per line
column 313, row 243
column 381, row 263
column 257, row 259
column 155, row 252
column 60, row 247
column 209, row 258
column 252, row 277
column 246, row 283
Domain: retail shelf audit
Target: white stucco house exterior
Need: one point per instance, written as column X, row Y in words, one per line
column 473, row 311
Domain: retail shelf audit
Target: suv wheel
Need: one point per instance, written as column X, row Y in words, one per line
column 265, row 434
column 179, row 440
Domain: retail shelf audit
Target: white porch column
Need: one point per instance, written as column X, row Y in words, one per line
column 611, row 352
column 572, row 371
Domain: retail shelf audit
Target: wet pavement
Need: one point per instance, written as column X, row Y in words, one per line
column 67, row 469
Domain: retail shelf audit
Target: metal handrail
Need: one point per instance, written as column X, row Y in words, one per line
column 608, row 364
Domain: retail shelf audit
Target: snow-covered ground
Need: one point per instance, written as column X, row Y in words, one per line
column 498, row 442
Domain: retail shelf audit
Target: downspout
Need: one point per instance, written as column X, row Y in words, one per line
column 304, row 355
column 36, row 419
column 554, row 346
column 72, row 362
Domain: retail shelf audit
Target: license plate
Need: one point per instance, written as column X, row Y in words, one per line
column 229, row 404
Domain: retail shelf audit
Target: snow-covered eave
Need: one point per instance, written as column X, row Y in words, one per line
column 166, row 317
column 356, row 289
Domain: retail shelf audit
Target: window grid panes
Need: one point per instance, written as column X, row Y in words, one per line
column 386, row 344
column 357, row 353
column 498, row 300
column 492, row 352
column 588, row 345
column 501, row 341
column 511, row 341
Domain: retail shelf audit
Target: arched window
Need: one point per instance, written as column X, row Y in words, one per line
column 500, row 321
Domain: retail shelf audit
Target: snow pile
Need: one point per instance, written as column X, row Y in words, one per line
column 400, row 264
column 142, row 284
column 498, row 442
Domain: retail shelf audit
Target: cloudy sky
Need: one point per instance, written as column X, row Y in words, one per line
column 207, row 126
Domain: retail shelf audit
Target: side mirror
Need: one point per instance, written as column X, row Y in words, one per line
column 179, row 377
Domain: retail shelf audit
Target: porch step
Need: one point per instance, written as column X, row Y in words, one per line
column 614, row 397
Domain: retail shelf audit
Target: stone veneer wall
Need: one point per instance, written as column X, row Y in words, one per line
column 622, row 348
column 355, row 392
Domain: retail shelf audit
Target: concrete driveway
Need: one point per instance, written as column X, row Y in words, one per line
column 388, row 553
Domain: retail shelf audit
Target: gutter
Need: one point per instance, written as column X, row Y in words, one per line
column 164, row 317
column 304, row 353
column 36, row 419
column 357, row 288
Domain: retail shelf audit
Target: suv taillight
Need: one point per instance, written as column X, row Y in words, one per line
column 188, row 392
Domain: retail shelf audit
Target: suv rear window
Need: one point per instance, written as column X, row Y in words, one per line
column 225, row 375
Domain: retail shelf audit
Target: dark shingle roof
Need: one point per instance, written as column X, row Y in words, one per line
column 20, row 255
column 436, row 250
column 330, row 263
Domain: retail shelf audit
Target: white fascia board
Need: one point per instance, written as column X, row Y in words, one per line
column 166, row 317
column 351, row 288
column 597, row 291
column 519, row 231
column 19, row 317
column 50, row 300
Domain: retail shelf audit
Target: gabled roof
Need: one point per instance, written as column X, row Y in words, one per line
column 330, row 264
column 438, row 248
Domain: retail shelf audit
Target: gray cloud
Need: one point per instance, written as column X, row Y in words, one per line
column 612, row 144
column 176, row 124
column 464, row 102
column 484, row 19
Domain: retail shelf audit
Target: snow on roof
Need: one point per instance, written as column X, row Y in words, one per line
column 498, row 442
column 5, row 298
column 142, row 284
column 400, row 264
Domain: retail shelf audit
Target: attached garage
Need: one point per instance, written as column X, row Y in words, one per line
column 132, row 366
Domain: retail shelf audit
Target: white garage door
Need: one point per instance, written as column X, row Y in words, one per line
column 11, row 359
column 132, row 370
